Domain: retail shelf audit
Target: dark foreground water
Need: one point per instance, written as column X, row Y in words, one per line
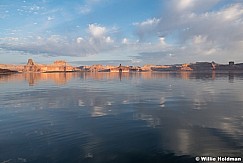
column 120, row 118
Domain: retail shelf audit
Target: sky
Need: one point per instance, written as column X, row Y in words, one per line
column 130, row 32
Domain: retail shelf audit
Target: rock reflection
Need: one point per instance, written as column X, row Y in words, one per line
column 58, row 78
column 34, row 78
column 231, row 77
column 63, row 78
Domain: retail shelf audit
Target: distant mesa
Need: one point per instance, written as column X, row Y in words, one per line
column 198, row 66
column 109, row 68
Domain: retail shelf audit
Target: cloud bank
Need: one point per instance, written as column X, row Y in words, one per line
column 194, row 30
column 183, row 31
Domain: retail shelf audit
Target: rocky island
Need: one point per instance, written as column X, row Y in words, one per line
column 63, row 66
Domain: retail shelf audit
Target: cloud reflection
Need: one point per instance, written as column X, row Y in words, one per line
column 214, row 128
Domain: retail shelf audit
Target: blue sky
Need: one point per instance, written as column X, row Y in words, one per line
column 133, row 32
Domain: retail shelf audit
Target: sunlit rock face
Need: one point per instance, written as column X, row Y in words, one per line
column 107, row 68
column 147, row 67
column 186, row 67
column 31, row 67
column 60, row 63
column 30, row 62
column 57, row 66
column 120, row 69
column 96, row 68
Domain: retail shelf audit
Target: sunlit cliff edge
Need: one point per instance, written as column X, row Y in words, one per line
column 31, row 66
column 63, row 66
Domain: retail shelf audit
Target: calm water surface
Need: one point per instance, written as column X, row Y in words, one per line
column 112, row 117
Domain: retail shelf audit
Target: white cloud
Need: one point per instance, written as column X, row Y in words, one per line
column 233, row 12
column 85, row 9
column 9, row 39
column 190, row 30
column 197, row 6
column 88, row 6
column 125, row 41
column 109, row 40
column 199, row 39
column 56, row 39
column 49, row 18
column 96, row 30
column 35, row 8
column 79, row 40
column 183, row 4
column 196, row 33
column 162, row 41
column 58, row 45
column 148, row 22
column 146, row 28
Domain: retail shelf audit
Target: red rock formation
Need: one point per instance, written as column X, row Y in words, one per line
column 57, row 66
column 60, row 63
column 31, row 67
column 30, row 62
column 186, row 67
column 147, row 67
column 120, row 69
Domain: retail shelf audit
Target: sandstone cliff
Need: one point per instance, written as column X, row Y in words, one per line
column 57, row 66
column 31, row 66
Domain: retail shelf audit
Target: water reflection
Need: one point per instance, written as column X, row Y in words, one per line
column 63, row 78
column 34, row 78
column 58, row 78
column 120, row 117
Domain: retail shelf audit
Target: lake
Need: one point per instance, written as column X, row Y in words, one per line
column 120, row 117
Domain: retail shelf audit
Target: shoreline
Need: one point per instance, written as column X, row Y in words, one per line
column 62, row 66
column 158, row 71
